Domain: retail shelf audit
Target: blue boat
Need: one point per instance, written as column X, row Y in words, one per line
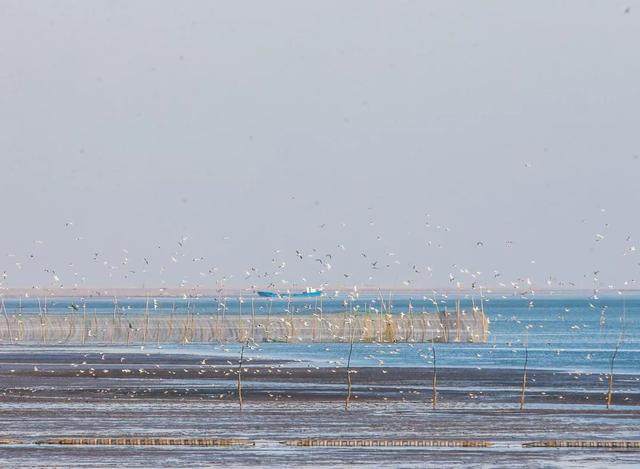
column 309, row 292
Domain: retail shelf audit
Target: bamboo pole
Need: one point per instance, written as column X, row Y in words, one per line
column 320, row 325
column 348, row 398
column 458, row 321
column 615, row 353
column 610, row 380
column 42, row 324
column 223, row 337
column 6, row 318
column 95, row 322
column 240, row 334
column 268, row 329
column 434, row 392
column 240, row 376
column 411, row 325
column 113, row 325
column 524, row 378
column 46, row 320
column 84, row 322
column 170, row 329
column 290, row 329
column 146, row 321
column 253, row 321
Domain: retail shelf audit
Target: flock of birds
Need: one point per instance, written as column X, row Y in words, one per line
column 343, row 267
column 346, row 267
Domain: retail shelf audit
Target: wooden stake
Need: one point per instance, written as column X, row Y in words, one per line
column 611, row 362
column 346, row 402
column 240, row 375
column 434, row 391
column 524, row 378
column 615, row 353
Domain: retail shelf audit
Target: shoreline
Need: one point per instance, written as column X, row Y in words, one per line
column 201, row 292
column 110, row 374
column 49, row 394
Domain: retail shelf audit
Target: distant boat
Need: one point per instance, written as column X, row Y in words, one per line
column 309, row 292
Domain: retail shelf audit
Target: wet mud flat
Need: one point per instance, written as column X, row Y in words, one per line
column 51, row 395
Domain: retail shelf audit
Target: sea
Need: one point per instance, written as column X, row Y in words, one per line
column 589, row 334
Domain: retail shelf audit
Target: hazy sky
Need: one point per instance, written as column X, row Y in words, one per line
column 506, row 134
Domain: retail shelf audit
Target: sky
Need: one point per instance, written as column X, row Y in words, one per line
column 284, row 144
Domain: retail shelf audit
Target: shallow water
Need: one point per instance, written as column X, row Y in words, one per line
column 47, row 390
column 561, row 332
column 269, row 424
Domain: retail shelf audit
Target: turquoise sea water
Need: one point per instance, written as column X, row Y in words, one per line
column 561, row 333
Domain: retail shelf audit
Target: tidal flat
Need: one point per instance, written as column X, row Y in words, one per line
column 52, row 392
